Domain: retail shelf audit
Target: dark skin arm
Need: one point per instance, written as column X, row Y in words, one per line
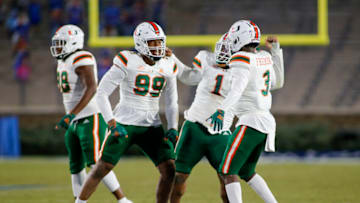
column 86, row 75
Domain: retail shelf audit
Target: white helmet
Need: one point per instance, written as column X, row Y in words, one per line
column 148, row 31
column 66, row 40
column 222, row 50
column 243, row 32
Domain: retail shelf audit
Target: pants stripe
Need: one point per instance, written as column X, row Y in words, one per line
column 234, row 146
column 107, row 134
column 181, row 130
column 96, row 137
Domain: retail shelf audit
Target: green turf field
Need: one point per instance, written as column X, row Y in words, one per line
column 46, row 180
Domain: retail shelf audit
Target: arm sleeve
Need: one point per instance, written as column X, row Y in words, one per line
column 278, row 66
column 108, row 84
column 171, row 104
column 187, row 75
column 239, row 79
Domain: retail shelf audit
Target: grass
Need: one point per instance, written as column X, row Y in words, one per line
column 47, row 180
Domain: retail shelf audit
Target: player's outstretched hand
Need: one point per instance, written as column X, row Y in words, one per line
column 65, row 121
column 217, row 120
column 270, row 40
column 172, row 135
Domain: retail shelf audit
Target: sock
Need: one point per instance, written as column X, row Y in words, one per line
column 77, row 181
column 233, row 191
column 258, row 184
column 80, row 201
column 111, row 182
column 124, row 200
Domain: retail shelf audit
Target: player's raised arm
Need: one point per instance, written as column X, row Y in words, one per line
column 273, row 45
column 108, row 84
column 187, row 74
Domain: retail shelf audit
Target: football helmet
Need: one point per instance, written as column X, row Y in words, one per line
column 222, row 50
column 149, row 31
column 67, row 39
column 243, row 32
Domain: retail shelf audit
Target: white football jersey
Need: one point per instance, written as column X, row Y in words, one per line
column 213, row 86
column 69, row 83
column 141, row 86
column 253, row 107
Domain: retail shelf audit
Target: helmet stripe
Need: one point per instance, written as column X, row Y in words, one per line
column 58, row 29
column 225, row 36
column 256, row 30
column 157, row 31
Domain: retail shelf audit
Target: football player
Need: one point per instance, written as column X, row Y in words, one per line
column 197, row 139
column 142, row 76
column 85, row 126
column 254, row 74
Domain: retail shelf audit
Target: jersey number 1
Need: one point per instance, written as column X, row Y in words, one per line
column 219, row 79
column 142, row 83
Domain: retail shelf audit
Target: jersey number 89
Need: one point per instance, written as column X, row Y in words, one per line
column 63, row 84
column 142, row 83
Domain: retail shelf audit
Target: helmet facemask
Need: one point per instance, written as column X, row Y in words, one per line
column 222, row 52
column 155, row 49
column 58, row 48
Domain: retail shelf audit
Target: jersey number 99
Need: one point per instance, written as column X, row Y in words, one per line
column 142, row 85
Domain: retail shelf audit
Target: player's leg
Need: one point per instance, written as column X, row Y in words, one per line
column 161, row 152
column 223, row 195
column 111, row 151
column 76, row 160
column 189, row 150
column 239, row 148
column 254, row 180
column 110, row 180
column 179, row 187
column 216, row 145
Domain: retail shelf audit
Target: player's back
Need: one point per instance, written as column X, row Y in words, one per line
column 71, row 86
column 212, row 89
column 257, row 96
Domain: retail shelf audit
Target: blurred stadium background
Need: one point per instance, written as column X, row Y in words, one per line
column 317, row 111
column 318, row 108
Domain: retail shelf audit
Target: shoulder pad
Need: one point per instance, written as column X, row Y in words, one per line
column 243, row 57
column 81, row 55
column 122, row 57
column 199, row 57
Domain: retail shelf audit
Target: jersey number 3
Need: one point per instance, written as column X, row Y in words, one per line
column 142, row 83
column 63, row 84
column 266, row 76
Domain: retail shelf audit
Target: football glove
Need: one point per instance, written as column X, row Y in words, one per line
column 65, row 121
column 217, row 120
column 172, row 135
column 118, row 132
